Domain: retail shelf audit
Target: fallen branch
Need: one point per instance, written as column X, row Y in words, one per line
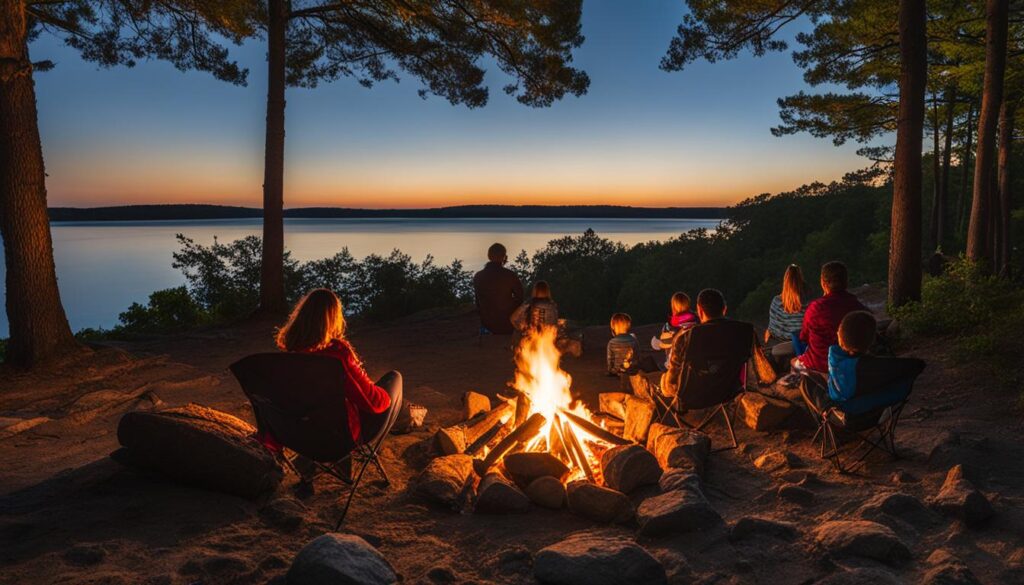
column 521, row 435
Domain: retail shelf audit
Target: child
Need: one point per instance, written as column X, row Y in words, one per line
column 851, row 366
column 681, row 319
column 537, row 312
column 623, row 348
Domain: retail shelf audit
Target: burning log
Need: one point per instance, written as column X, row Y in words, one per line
column 454, row 439
column 581, row 455
column 474, row 403
column 485, row 438
column 560, row 433
column 594, row 430
column 521, row 435
column 523, row 404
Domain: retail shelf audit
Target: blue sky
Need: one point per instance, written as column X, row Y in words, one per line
column 640, row 136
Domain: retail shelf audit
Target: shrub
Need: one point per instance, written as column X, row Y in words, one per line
column 168, row 310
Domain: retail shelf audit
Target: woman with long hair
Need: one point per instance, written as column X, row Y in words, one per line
column 317, row 325
column 786, row 316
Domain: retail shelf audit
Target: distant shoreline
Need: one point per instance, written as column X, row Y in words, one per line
column 198, row 211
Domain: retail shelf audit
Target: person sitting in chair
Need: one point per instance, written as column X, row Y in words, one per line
column 722, row 347
column 851, row 366
column 822, row 318
column 317, row 325
column 498, row 291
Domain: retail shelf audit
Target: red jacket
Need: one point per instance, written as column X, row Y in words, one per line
column 821, row 324
column 361, row 394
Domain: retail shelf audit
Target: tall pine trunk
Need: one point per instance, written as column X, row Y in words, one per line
column 905, row 237
column 978, row 236
column 965, row 173
column 1006, row 127
column 272, row 267
column 39, row 328
column 947, row 151
column 933, row 228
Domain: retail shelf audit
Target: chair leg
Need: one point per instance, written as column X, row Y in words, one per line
column 352, row 493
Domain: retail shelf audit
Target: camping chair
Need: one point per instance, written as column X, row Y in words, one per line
column 299, row 400
column 714, row 359
column 872, row 415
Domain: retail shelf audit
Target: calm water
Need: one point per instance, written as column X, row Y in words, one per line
column 103, row 267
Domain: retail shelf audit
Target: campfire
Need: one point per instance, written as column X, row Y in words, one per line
column 539, row 417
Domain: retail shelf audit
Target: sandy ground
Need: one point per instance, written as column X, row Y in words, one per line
column 69, row 514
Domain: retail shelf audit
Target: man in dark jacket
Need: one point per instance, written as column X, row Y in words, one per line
column 499, row 292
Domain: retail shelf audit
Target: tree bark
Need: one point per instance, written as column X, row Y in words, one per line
column 38, row 326
column 933, row 227
column 947, row 151
column 1006, row 127
column 905, row 236
column 272, row 297
column 965, row 173
column 996, row 22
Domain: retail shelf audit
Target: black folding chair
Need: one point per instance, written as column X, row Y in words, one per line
column 299, row 399
column 713, row 360
column 875, row 426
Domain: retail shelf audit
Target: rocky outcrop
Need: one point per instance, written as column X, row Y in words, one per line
column 340, row 559
column 597, row 559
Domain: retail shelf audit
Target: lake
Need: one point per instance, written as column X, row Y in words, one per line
column 103, row 267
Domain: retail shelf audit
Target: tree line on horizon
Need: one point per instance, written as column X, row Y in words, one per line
column 888, row 56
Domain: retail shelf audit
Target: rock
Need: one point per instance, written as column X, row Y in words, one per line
column 946, row 569
column 770, row 460
column 598, row 503
column 683, row 510
column 627, row 467
column 796, row 494
column 678, row 448
column 450, row 440
column 960, row 499
column 677, row 479
column 284, row 513
column 445, row 479
column 764, row 413
column 861, row 576
column 901, row 477
column 861, row 538
column 526, row 466
column 547, row 492
column 596, row 559
column 752, row 526
column 496, row 495
column 474, row 403
column 340, row 559
column 613, row 403
column 639, row 414
column 899, row 505
column 199, row 446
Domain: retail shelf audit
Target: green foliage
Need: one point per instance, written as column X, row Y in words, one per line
column 168, row 310
column 440, row 43
column 115, row 32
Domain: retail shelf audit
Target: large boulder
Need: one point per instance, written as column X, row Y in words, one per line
column 678, row 448
column 627, row 467
column 546, row 492
column 526, row 466
column 445, row 479
column 496, row 495
column 597, row 559
column 959, row 498
column 861, row 538
column 682, row 510
column 598, row 503
column 764, row 413
column 340, row 559
column 199, row 446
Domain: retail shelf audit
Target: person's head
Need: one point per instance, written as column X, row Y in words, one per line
column 621, row 323
column 315, row 321
column 680, row 303
column 834, row 277
column 541, row 290
column 710, row 304
column 497, row 253
column 857, row 332
column 793, row 289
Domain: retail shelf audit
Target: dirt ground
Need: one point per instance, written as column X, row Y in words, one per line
column 69, row 514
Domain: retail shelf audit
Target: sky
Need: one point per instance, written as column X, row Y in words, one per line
column 640, row 136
